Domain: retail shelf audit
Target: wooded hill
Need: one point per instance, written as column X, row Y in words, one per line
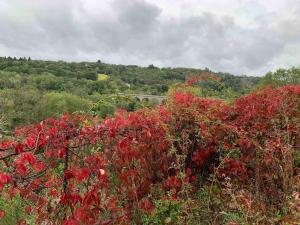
column 31, row 90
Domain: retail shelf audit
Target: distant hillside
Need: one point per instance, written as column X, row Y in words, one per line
column 31, row 90
column 119, row 78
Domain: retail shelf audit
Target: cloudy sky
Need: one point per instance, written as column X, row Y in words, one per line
column 238, row 36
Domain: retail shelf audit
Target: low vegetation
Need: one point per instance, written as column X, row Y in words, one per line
column 191, row 160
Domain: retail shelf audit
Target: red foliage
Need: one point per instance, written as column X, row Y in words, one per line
column 204, row 76
column 2, row 214
column 77, row 169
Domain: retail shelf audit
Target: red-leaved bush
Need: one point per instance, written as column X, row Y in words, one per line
column 79, row 170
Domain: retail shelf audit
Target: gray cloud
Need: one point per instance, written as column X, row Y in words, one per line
column 137, row 16
column 139, row 32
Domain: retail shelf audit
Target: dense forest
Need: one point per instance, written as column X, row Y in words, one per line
column 77, row 147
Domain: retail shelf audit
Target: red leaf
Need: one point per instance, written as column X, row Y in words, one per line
column 19, row 148
column 30, row 142
column 147, row 206
column 29, row 157
column 124, row 143
column 39, row 166
column 68, row 174
column 2, row 213
column 21, row 168
column 4, row 178
column 28, row 209
column 81, row 174
column 61, row 153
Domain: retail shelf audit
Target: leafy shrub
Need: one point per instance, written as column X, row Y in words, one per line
column 146, row 166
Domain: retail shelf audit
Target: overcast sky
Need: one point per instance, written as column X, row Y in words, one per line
column 238, row 36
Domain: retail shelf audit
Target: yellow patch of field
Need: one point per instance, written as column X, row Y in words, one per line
column 102, row 76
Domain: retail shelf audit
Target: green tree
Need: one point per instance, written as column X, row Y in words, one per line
column 281, row 77
column 54, row 104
